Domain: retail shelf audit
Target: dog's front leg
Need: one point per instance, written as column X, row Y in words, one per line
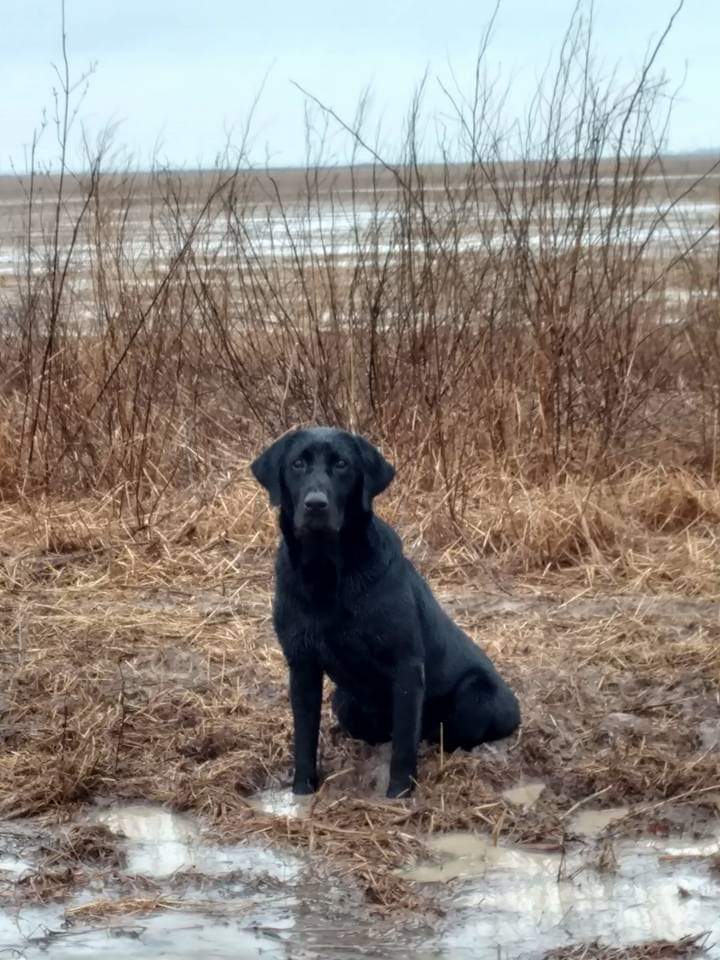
column 306, row 681
column 408, row 696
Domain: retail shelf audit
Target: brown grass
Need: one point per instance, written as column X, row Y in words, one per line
column 652, row 950
column 102, row 910
column 65, row 861
column 142, row 665
column 89, row 844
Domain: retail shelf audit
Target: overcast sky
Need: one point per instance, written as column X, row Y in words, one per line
column 176, row 75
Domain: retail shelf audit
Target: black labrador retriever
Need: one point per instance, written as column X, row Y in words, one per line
column 349, row 604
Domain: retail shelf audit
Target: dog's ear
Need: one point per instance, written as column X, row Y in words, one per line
column 267, row 467
column 377, row 472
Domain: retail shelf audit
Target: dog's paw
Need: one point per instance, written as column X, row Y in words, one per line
column 401, row 788
column 304, row 786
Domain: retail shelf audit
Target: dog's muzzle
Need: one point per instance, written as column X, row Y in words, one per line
column 316, row 515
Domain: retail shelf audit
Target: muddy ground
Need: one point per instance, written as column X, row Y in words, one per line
column 145, row 764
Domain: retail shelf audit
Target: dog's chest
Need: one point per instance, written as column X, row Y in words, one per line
column 343, row 632
column 355, row 661
column 351, row 654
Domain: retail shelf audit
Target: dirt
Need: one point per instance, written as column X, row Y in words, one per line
column 671, row 609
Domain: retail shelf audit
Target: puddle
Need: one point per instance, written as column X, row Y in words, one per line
column 508, row 902
column 467, row 855
column 280, row 803
column 12, row 864
column 13, row 842
column 682, row 847
column 524, row 795
column 244, row 904
column 591, row 823
column 159, row 842
column 502, row 901
column 709, row 734
column 42, row 933
column 147, row 823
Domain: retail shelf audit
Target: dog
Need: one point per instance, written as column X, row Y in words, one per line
column 349, row 604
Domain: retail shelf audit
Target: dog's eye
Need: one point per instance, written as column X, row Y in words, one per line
column 298, row 464
column 340, row 464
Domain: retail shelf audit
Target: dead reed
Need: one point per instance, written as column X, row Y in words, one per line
column 555, row 315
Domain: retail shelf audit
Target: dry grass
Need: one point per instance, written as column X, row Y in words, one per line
column 102, row 910
column 652, row 950
column 45, row 885
column 84, row 843
column 141, row 665
column 65, row 861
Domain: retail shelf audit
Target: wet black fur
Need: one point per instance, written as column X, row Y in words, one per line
column 349, row 604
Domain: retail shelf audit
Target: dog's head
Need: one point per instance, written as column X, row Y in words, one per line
column 320, row 476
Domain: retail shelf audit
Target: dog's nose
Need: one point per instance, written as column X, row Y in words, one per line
column 316, row 502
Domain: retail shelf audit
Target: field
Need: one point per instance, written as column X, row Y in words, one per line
column 536, row 345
